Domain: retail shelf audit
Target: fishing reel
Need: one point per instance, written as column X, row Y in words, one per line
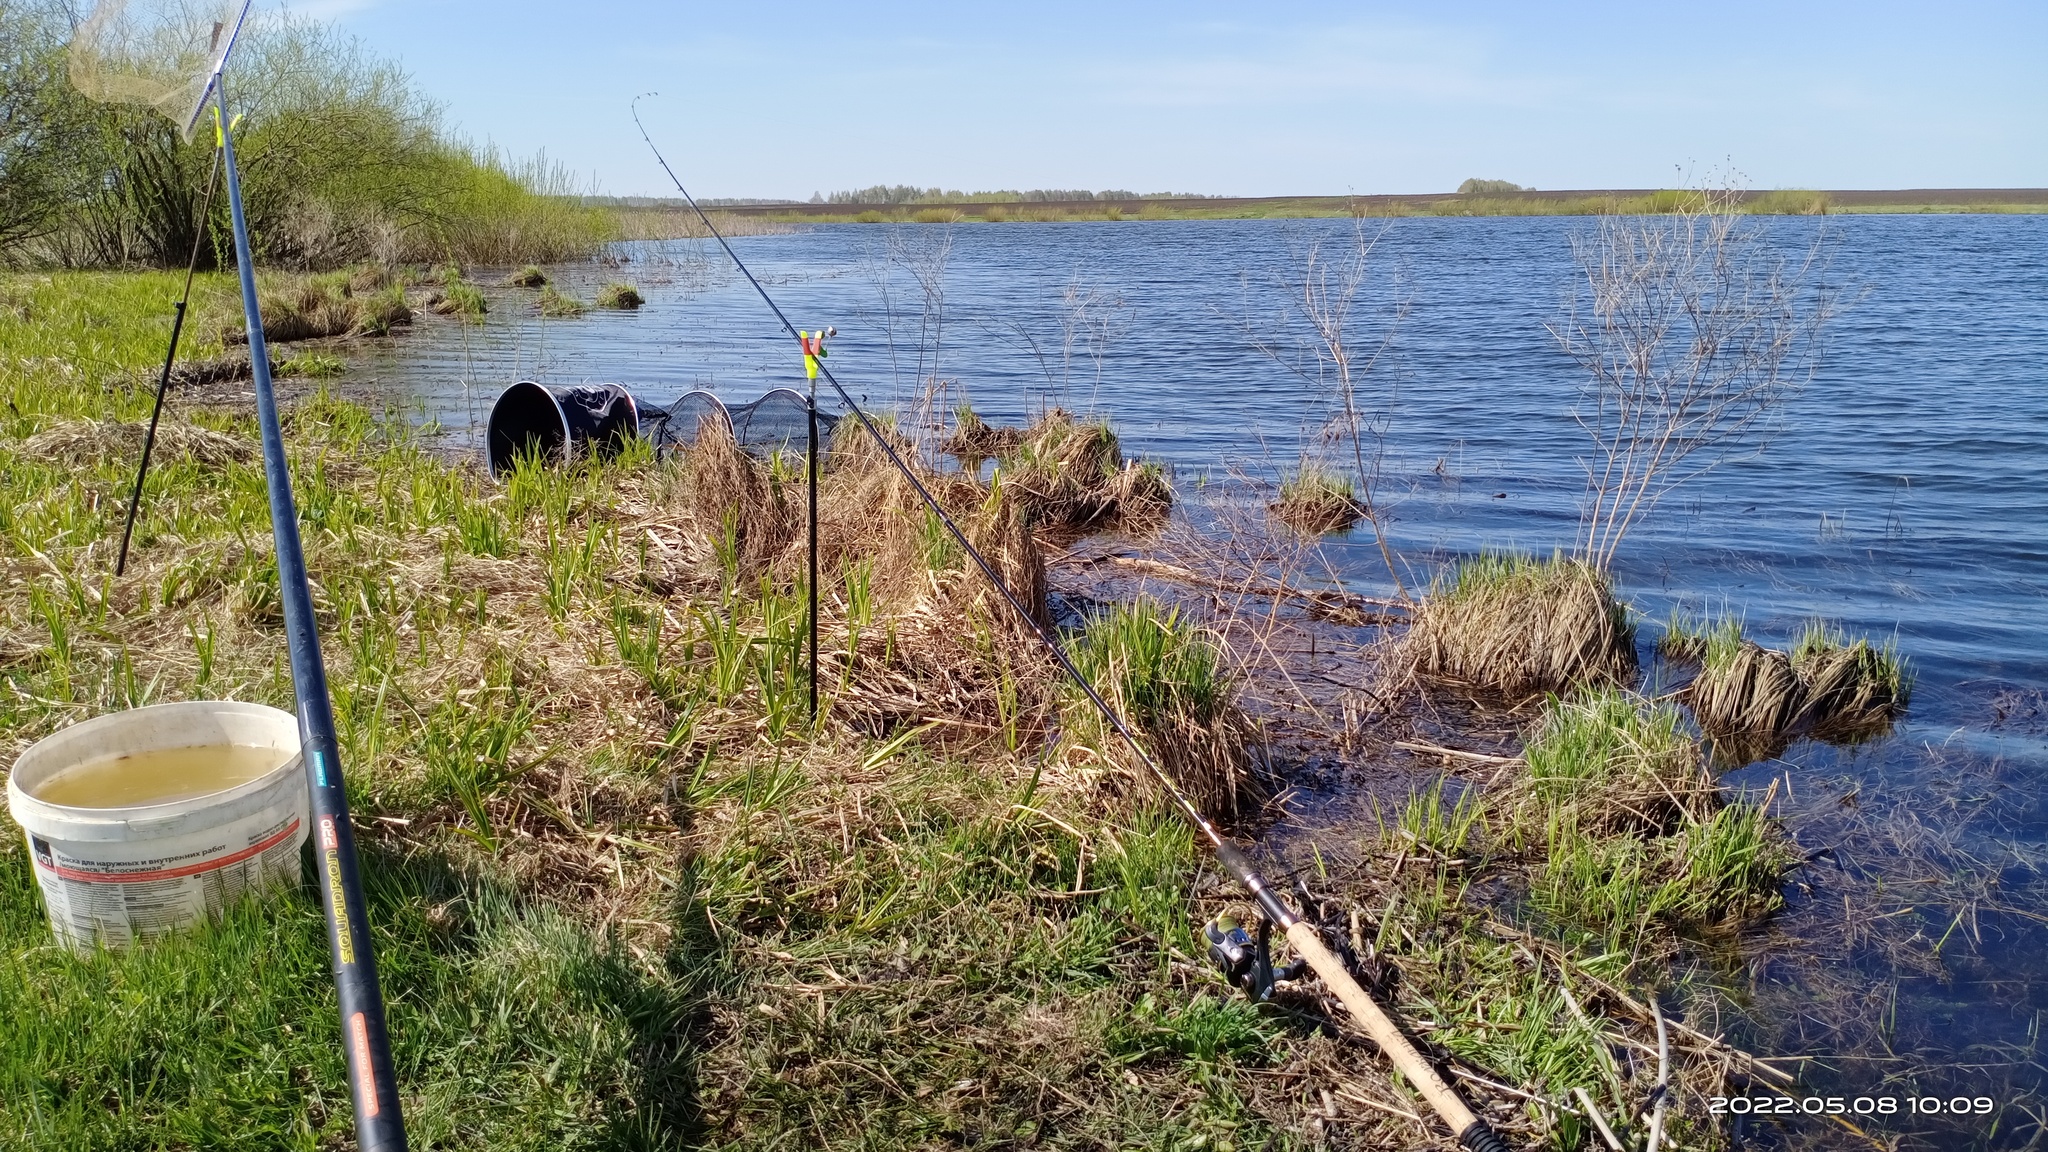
column 1245, row 960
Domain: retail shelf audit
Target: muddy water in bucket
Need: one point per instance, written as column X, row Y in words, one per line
column 142, row 778
column 148, row 821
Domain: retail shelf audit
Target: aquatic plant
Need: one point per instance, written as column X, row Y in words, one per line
column 1631, row 828
column 1521, row 626
column 554, row 302
column 620, row 296
column 365, row 300
column 531, row 276
column 462, row 299
column 1315, row 501
column 1752, row 698
column 1070, row 474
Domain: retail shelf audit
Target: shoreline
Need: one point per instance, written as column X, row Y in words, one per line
column 1586, row 202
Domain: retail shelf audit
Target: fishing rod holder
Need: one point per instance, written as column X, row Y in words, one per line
column 1246, row 960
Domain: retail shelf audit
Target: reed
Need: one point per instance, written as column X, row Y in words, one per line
column 530, row 276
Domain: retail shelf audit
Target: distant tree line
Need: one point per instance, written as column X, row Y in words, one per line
column 342, row 158
column 911, row 194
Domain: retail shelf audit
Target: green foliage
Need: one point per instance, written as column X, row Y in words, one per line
column 1478, row 187
column 44, row 127
column 342, row 160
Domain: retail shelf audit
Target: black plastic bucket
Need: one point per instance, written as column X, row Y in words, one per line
column 559, row 422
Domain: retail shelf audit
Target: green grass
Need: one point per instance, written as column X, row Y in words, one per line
column 1629, row 831
column 1706, row 641
column 1154, row 664
column 512, row 1027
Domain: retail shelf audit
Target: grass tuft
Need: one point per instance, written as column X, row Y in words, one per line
column 1068, row 474
column 1753, row 699
column 1521, row 626
column 1630, row 830
column 1313, row 502
column 554, row 302
column 620, row 296
column 1166, row 677
column 530, row 276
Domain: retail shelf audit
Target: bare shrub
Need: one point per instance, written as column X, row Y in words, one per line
column 1317, row 337
column 1693, row 331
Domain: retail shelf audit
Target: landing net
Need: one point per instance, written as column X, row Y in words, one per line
column 160, row 54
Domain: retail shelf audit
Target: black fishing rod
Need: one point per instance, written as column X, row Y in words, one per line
column 1472, row 1132
column 163, row 381
column 365, row 1043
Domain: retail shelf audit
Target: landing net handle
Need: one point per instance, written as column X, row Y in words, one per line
column 372, row 1082
column 1474, row 1133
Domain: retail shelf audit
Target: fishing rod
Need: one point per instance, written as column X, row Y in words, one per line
column 163, row 381
column 367, row 1046
column 1472, row 1132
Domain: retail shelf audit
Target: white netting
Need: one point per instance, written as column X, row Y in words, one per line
column 156, row 53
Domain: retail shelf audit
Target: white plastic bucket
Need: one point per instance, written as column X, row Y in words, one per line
column 123, row 875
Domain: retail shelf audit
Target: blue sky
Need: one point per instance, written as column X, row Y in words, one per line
column 792, row 98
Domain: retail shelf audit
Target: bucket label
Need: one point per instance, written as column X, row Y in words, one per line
column 122, row 902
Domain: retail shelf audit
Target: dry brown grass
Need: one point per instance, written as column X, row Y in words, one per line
column 1751, row 691
column 1754, row 699
column 1521, row 627
column 91, row 442
column 1314, row 503
column 1069, row 474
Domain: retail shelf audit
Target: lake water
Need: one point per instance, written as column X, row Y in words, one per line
column 1905, row 496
